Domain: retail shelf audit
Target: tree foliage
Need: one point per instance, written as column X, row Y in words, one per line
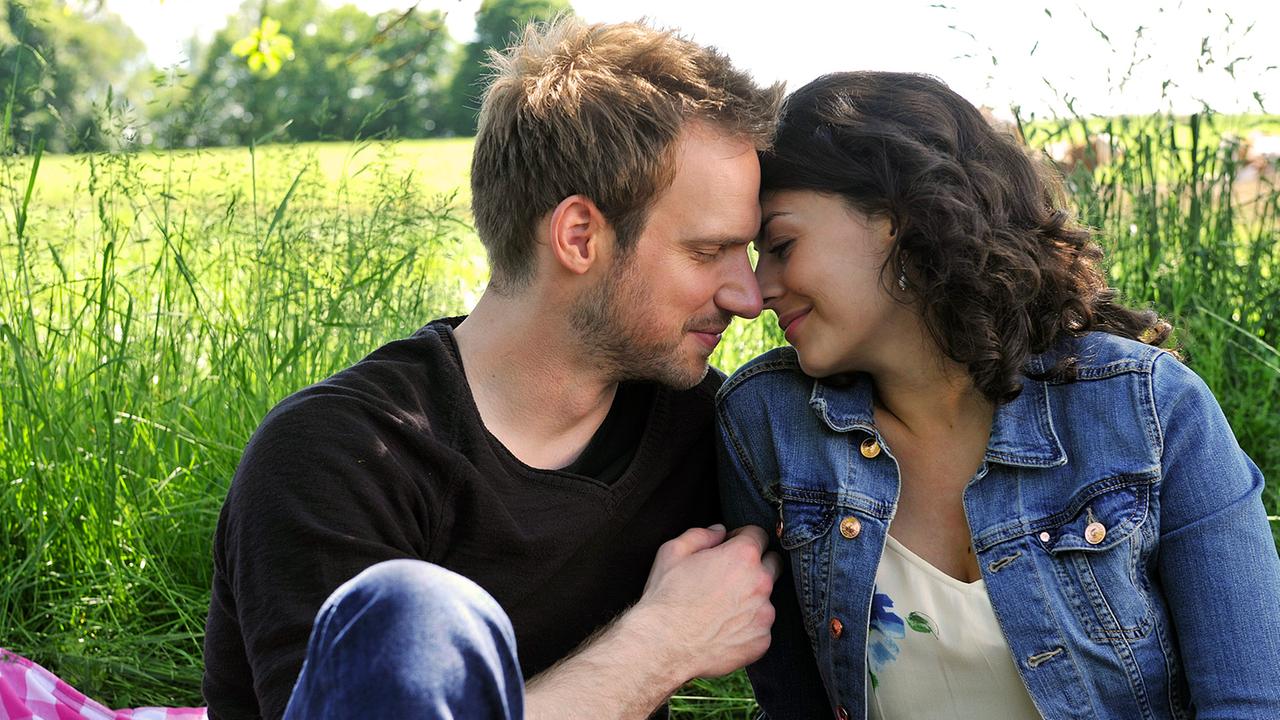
column 497, row 23
column 58, row 63
column 348, row 74
column 293, row 70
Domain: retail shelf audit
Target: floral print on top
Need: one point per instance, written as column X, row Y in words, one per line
column 886, row 628
column 935, row 649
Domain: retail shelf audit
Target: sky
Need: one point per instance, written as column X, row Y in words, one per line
column 1036, row 55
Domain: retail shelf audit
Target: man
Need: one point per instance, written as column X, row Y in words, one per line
column 544, row 448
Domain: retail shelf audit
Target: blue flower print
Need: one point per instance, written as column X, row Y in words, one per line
column 885, row 629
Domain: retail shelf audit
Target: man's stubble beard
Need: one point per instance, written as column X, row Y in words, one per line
column 610, row 322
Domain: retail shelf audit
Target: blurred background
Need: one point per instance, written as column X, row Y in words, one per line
column 205, row 206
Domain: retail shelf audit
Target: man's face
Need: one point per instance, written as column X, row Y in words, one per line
column 659, row 312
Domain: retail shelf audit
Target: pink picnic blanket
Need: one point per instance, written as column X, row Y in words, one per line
column 29, row 692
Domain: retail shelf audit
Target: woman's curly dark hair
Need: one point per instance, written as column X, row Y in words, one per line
column 1000, row 271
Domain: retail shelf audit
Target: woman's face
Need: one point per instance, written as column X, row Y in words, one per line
column 820, row 271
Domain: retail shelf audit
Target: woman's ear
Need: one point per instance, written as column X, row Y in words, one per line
column 576, row 233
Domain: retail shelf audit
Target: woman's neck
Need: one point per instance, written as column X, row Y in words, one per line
column 931, row 398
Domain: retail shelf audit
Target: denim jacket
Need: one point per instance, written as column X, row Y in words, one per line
column 1171, row 609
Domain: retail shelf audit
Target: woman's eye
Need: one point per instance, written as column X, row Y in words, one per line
column 781, row 248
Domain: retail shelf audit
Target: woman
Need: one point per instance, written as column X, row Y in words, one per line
column 996, row 495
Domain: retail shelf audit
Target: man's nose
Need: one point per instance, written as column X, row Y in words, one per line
column 740, row 294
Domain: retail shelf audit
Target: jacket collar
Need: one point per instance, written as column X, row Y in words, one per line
column 1022, row 432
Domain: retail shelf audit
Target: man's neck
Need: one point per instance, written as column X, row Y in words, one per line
column 536, row 390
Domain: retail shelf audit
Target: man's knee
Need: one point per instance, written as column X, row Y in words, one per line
column 414, row 637
column 408, row 594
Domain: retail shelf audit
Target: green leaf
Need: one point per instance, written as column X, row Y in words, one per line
column 273, row 64
column 265, row 49
column 245, row 45
column 922, row 623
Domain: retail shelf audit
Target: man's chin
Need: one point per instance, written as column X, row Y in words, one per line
column 678, row 377
column 702, row 374
column 694, row 367
column 698, row 372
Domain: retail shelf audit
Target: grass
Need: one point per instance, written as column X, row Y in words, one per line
column 147, row 326
column 1186, row 235
column 437, row 167
column 154, row 306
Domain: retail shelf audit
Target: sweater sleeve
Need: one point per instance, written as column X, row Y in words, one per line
column 327, row 487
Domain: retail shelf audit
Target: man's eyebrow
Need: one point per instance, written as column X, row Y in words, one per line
column 720, row 240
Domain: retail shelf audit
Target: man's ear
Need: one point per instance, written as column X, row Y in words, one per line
column 576, row 233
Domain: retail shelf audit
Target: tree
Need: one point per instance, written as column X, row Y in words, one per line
column 414, row 62
column 497, row 22
column 346, row 74
column 57, row 63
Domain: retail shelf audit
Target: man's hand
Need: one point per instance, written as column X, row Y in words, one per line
column 707, row 599
column 705, row 611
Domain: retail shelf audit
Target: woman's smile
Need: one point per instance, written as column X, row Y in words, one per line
column 791, row 322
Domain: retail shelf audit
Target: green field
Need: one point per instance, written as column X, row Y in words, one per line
column 154, row 306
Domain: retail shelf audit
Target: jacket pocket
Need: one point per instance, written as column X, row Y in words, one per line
column 806, row 520
column 1099, row 546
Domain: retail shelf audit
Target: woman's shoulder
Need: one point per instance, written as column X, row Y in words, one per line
column 1097, row 355
column 777, row 369
column 1165, row 384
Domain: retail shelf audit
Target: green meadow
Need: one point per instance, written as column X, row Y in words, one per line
column 153, row 306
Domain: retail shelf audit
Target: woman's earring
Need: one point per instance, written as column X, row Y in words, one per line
column 902, row 279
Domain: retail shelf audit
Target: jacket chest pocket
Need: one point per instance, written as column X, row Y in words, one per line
column 803, row 531
column 1099, row 546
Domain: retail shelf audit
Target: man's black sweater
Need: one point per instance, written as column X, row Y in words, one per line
column 389, row 459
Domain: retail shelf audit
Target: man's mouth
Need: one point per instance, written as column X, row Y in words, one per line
column 709, row 336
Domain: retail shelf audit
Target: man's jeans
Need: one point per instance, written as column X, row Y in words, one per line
column 408, row 639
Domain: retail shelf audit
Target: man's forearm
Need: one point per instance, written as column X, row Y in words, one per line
column 619, row 673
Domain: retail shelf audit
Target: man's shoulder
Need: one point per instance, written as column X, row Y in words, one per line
column 363, row 445
column 405, row 372
column 408, row 385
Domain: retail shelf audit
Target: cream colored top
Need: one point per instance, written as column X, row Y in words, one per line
column 934, row 649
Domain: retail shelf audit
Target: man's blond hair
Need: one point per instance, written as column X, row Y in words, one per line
column 595, row 110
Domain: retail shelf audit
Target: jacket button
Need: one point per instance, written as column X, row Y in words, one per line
column 837, row 628
column 841, row 713
column 850, row 527
column 1095, row 533
column 870, row 448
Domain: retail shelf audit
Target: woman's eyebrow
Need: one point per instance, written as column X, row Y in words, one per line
column 769, row 218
